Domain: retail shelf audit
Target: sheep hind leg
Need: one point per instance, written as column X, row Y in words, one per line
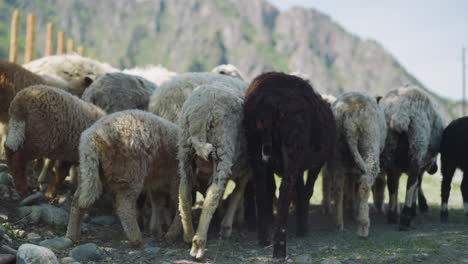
column 155, row 222
column 61, row 170
column 213, row 195
column 378, row 193
column 185, row 203
column 17, row 163
column 464, row 191
column 234, row 203
column 125, row 206
column 75, row 219
column 363, row 210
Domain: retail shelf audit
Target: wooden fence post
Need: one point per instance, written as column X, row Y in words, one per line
column 14, row 36
column 60, row 42
column 30, row 38
column 49, row 47
column 80, row 50
column 70, row 46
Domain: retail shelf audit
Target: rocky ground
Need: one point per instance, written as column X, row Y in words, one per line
column 32, row 231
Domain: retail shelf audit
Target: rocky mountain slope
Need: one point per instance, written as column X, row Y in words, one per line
column 196, row 35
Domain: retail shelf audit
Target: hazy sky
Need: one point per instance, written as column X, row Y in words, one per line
column 425, row 36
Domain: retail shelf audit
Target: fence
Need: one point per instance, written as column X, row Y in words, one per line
column 31, row 39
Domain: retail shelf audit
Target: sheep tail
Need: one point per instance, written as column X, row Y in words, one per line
column 90, row 186
column 352, row 139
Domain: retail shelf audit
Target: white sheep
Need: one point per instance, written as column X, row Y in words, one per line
column 362, row 131
column 154, row 73
column 228, row 69
column 46, row 122
column 68, row 66
column 212, row 144
column 413, row 141
column 168, row 99
column 119, row 91
column 125, row 153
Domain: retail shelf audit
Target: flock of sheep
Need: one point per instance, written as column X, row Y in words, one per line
column 148, row 135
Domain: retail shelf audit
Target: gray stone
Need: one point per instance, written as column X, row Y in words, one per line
column 34, row 198
column 152, row 249
column 32, row 254
column 2, row 231
column 86, row 252
column 31, row 213
column 103, row 220
column 54, row 215
column 56, row 243
column 68, row 260
column 302, row 259
column 5, row 191
column 5, row 178
column 33, row 237
column 7, row 258
column 330, row 261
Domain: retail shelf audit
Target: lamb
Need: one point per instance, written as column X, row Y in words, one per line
column 289, row 129
column 228, row 69
column 168, row 99
column 119, row 91
column 453, row 153
column 46, row 122
column 211, row 144
column 413, row 140
column 125, row 153
column 68, row 66
column 361, row 131
column 156, row 74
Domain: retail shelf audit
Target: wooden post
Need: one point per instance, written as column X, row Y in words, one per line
column 14, row 36
column 70, row 45
column 60, row 42
column 49, row 47
column 30, row 38
column 80, row 50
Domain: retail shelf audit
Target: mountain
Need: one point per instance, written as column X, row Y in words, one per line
column 196, row 35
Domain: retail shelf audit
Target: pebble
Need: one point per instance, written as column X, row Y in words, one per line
column 5, row 191
column 152, row 249
column 33, row 237
column 103, row 220
column 302, row 259
column 32, row 254
column 34, row 198
column 86, row 252
column 56, row 243
column 7, row 258
column 68, row 260
column 330, row 261
column 5, row 178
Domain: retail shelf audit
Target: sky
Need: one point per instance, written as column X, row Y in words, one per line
column 425, row 36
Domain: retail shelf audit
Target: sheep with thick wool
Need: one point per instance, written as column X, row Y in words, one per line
column 14, row 78
column 212, row 143
column 413, row 141
column 126, row 153
column 68, row 66
column 46, row 122
column 229, row 70
column 361, row 134
column 119, row 91
column 168, row 99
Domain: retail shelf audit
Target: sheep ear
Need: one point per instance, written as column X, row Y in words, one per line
column 88, row 80
column 377, row 98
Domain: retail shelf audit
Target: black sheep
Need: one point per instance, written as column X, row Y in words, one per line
column 289, row 129
column 454, row 154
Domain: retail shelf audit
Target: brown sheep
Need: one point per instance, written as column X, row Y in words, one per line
column 46, row 122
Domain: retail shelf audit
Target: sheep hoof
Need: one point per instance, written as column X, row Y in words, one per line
column 170, row 237
column 279, row 250
column 363, row 232
column 138, row 244
column 226, row 231
column 198, row 247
